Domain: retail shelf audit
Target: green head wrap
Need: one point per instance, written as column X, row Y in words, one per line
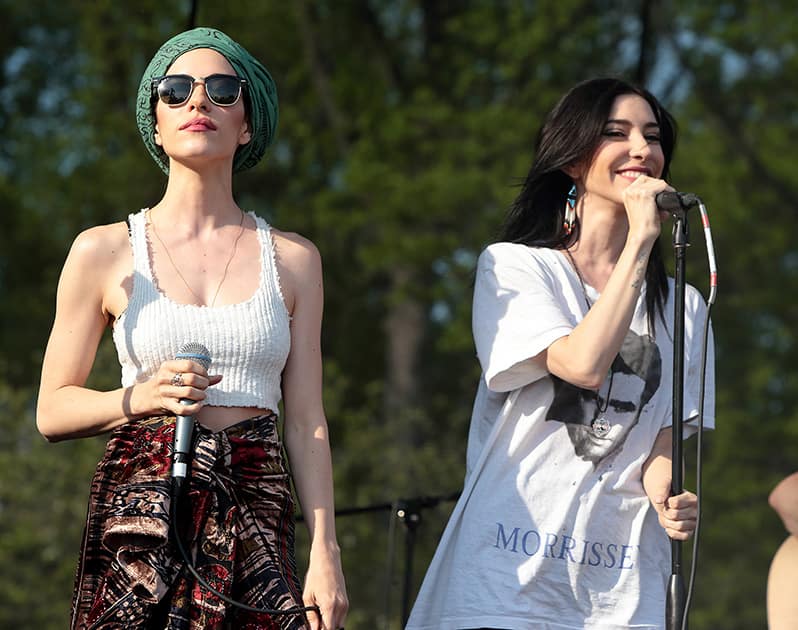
column 260, row 93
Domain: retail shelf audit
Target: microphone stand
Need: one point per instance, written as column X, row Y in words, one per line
column 408, row 511
column 675, row 600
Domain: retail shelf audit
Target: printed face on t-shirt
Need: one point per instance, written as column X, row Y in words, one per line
column 595, row 425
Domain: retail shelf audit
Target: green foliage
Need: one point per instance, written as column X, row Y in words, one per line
column 43, row 491
column 404, row 129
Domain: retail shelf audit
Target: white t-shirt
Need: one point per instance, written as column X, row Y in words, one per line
column 553, row 529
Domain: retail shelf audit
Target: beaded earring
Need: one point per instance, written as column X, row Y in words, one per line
column 570, row 211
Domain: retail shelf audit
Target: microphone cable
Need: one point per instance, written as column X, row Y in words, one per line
column 176, row 496
column 713, row 290
column 181, row 455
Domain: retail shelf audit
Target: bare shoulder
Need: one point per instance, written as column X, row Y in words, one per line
column 296, row 255
column 98, row 269
column 101, row 245
column 299, row 268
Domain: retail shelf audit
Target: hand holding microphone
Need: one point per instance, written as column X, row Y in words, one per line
column 181, row 457
column 643, row 208
column 184, row 424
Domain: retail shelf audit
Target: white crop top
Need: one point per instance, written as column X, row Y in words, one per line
column 248, row 341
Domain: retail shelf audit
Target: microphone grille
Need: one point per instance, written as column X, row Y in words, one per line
column 689, row 200
column 195, row 352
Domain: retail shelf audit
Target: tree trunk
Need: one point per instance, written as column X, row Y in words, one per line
column 404, row 327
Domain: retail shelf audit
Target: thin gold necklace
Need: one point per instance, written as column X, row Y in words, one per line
column 226, row 267
column 600, row 425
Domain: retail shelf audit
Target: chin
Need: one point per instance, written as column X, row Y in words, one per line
column 202, row 159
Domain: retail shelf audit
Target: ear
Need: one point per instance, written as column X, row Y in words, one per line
column 574, row 171
column 246, row 135
column 156, row 136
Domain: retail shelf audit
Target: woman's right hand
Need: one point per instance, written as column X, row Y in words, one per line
column 179, row 380
column 639, row 198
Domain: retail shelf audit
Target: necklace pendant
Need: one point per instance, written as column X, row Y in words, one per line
column 600, row 427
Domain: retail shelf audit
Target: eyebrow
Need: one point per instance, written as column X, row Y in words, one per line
column 628, row 123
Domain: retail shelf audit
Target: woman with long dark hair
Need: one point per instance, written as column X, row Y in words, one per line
column 566, row 510
column 215, row 315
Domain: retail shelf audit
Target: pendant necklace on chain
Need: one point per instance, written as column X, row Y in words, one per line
column 226, row 267
column 600, row 425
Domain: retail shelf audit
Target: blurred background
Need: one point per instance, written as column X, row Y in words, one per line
column 405, row 128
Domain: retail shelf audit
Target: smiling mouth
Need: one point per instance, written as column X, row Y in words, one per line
column 632, row 174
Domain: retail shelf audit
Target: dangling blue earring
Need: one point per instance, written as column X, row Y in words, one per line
column 570, row 211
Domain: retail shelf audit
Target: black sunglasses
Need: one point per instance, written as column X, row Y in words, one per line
column 223, row 90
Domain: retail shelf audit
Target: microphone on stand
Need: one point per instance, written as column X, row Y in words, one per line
column 677, row 203
column 668, row 201
column 184, row 425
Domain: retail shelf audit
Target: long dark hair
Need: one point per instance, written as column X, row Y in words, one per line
column 570, row 135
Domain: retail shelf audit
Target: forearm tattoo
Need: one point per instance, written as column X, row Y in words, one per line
column 640, row 271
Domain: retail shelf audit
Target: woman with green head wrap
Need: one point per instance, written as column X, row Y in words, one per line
column 216, row 319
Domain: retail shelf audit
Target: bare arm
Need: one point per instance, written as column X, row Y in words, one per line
column 306, row 434
column 782, row 606
column 677, row 514
column 583, row 357
column 84, row 306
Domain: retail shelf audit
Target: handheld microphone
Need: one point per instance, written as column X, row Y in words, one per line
column 184, row 428
column 674, row 201
column 184, row 425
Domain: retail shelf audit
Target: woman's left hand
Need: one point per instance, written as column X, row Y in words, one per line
column 325, row 588
column 677, row 514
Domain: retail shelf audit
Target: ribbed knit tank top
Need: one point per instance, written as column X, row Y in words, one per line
column 248, row 341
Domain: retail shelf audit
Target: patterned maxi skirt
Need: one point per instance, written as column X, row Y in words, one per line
column 236, row 522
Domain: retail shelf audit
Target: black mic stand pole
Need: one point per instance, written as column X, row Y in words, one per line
column 410, row 514
column 675, row 600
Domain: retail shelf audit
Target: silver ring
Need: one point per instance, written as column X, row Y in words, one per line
column 177, row 380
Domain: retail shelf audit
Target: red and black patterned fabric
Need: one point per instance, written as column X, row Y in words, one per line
column 236, row 521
